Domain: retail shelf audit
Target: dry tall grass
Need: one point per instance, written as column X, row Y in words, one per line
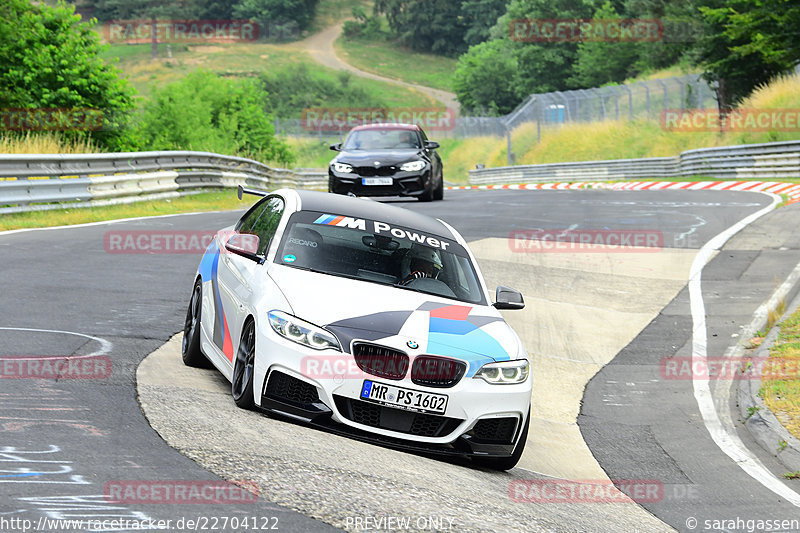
column 44, row 143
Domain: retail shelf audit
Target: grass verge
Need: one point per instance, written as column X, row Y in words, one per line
column 389, row 59
column 205, row 201
column 780, row 388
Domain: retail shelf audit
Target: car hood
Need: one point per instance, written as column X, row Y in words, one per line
column 383, row 157
column 398, row 318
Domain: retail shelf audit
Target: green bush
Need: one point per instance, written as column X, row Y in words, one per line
column 208, row 113
column 297, row 88
column 50, row 61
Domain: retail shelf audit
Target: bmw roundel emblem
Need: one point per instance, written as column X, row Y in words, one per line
column 413, row 345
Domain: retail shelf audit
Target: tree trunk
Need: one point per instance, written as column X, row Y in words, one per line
column 723, row 104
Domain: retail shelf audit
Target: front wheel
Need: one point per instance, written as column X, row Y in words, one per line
column 243, row 369
column 438, row 193
column 428, row 194
column 507, row 463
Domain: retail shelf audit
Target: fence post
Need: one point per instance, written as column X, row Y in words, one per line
column 664, row 87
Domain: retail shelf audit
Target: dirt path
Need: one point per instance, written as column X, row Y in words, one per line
column 320, row 47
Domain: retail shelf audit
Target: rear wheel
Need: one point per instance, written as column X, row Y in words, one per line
column 243, row 368
column 190, row 347
column 507, row 463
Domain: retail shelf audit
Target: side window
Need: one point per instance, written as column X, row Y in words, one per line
column 263, row 221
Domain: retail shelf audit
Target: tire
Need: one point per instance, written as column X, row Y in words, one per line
column 190, row 346
column 330, row 183
column 438, row 193
column 243, row 368
column 507, row 463
column 427, row 196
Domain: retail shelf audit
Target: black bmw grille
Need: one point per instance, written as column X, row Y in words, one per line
column 285, row 388
column 378, row 416
column 380, row 361
column 495, row 430
column 434, row 371
column 367, row 172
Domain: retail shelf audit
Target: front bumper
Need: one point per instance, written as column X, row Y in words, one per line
column 481, row 420
column 403, row 184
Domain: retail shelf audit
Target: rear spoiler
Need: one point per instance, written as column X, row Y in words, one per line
column 241, row 191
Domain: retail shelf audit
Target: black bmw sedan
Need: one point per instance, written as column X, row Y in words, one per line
column 387, row 160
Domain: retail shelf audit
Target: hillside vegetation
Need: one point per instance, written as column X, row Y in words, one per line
column 589, row 141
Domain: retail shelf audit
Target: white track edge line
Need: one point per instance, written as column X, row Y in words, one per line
column 729, row 443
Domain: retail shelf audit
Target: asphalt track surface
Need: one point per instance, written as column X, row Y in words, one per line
column 64, row 440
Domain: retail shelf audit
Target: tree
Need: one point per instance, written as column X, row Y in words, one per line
column 206, row 112
column 602, row 62
column 479, row 16
column 680, row 25
column 767, row 29
column 147, row 10
column 50, row 60
column 482, row 80
column 279, row 17
column 545, row 66
column 434, row 26
column 732, row 59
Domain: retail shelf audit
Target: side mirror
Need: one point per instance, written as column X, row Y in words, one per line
column 431, row 145
column 508, row 298
column 245, row 245
column 336, row 147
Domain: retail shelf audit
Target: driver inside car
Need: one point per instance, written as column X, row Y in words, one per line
column 424, row 263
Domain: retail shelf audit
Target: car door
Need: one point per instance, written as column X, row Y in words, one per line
column 237, row 275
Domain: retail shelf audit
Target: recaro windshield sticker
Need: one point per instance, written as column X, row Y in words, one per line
column 384, row 228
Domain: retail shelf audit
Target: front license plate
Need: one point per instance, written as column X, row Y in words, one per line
column 376, row 181
column 410, row 400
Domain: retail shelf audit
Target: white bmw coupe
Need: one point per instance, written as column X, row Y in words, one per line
column 367, row 319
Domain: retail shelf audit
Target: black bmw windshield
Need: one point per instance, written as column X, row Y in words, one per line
column 388, row 139
column 378, row 252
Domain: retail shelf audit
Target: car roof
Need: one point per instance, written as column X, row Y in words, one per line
column 371, row 210
column 387, row 126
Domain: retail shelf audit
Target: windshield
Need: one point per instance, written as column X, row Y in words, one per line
column 379, row 252
column 389, row 139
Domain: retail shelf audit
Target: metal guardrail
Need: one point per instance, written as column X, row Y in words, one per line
column 32, row 182
column 757, row 161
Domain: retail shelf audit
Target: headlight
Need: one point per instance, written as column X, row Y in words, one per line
column 301, row 332
column 505, row 373
column 413, row 166
column 344, row 168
